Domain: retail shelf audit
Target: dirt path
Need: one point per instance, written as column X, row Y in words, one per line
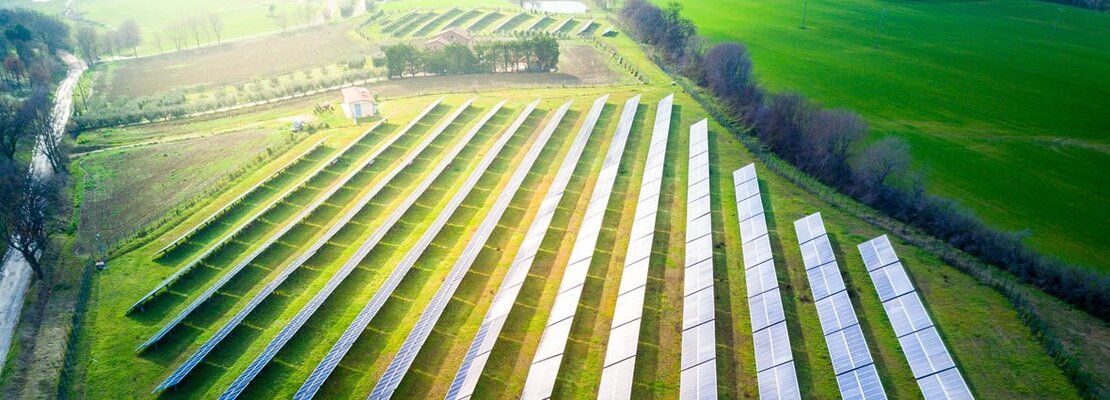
column 16, row 276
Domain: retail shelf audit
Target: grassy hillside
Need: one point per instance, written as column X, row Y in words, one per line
column 1004, row 113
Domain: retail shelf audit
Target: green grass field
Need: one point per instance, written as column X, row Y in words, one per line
column 1003, row 114
column 994, row 349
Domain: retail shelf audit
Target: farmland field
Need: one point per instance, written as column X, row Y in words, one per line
column 1002, row 111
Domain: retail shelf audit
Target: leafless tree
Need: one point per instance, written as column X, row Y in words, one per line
column 130, row 36
column 88, row 43
column 158, row 41
column 309, row 12
column 40, row 123
column 884, row 159
column 194, row 26
column 26, row 208
column 217, row 24
column 283, row 21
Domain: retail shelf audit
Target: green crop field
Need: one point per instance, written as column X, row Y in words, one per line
column 983, row 331
column 1003, row 108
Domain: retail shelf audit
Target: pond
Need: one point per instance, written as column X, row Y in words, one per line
column 559, row 6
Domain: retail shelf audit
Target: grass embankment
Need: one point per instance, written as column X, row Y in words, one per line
column 1000, row 104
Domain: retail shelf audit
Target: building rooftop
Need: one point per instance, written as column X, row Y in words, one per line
column 356, row 94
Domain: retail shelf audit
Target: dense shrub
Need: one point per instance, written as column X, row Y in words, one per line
column 532, row 54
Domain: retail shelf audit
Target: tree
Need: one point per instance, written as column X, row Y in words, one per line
column 882, row 160
column 26, row 210
column 309, row 12
column 130, row 36
column 87, row 43
column 39, row 122
column 217, row 24
column 11, row 128
column 283, row 21
column 194, row 25
column 158, row 41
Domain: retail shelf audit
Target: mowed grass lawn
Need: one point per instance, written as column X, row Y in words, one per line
column 1001, row 116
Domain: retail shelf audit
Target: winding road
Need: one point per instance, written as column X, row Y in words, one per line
column 15, row 275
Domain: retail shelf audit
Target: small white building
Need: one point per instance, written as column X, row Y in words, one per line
column 358, row 102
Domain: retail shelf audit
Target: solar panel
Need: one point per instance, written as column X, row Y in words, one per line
column 825, row 280
column 779, row 383
column 750, row 207
column 302, row 316
column 698, row 377
column 877, row 253
column 945, row 385
column 836, row 312
column 635, row 276
column 744, row 174
column 848, row 349
column 756, row 251
column 772, row 346
column 698, row 345
column 616, row 379
column 907, row 314
column 810, row 227
column 182, row 371
column 747, row 189
column 539, row 383
column 891, row 281
column 698, row 382
column 698, row 308
column 925, row 352
column 817, row 252
column 761, row 278
column 862, row 383
column 416, row 338
column 752, row 228
column 766, row 309
column 629, row 307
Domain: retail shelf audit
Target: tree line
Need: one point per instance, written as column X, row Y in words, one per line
column 829, row 145
column 28, row 202
column 534, row 54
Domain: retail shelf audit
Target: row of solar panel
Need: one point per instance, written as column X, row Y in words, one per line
column 698, row 379
column 932, row 366
column 210, row 344
column 624, row 334
column 775, row 373
column 228, row 237
column 851, row 359
column 549, row 354
column 474, row 362
column 296, row 220
column 339, row 349
column 291, row 328
column 416, row 338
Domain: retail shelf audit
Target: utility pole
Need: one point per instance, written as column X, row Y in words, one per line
column 1059, row 12
column 805, row 5
column 879, row 27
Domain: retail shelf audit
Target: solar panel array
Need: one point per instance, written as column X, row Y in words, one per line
column 211, row 217
column 698, row 379
column 470, row 370
column 549, row 353
column 475, row 242
column 197, row 261
column 774, row 362
column 624, row 334
column 296, row 220
column 314, row 304
column 932, row 366
column 851, row 359
column 259, row 297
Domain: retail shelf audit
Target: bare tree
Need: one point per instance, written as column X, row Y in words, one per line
column 194, row 26
column 11, row 128
column 130, row 36
column 87, row 43
column 283, row 21
column 309, row 12
column 217, row 24
column 39, row 122
column 26, row 209
column 884, row 159
column 158, row 41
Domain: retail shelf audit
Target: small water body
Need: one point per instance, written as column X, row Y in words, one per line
column 557, row 6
